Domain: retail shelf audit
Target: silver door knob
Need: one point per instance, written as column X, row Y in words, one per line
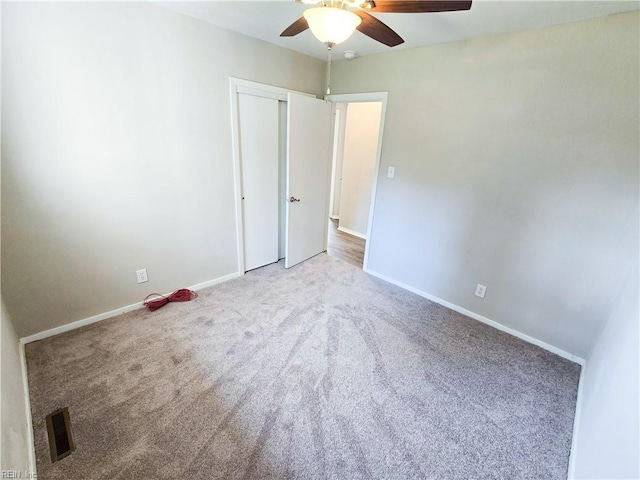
column 294, row 199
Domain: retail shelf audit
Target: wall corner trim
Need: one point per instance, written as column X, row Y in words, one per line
column 27, row 403
column 571, row 474
column 118, row 311
column 522, row 336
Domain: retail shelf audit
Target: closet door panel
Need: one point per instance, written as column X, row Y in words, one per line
column 259, row 155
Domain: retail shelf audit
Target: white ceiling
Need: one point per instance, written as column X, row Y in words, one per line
column 266, row 19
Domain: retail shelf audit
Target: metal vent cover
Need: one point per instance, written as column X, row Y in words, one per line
column 61, row 442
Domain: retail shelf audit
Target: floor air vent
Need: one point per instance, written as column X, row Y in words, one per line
column 60, row 438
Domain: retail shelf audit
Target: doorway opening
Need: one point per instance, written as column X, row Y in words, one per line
column 285, row 179
column 356, row 142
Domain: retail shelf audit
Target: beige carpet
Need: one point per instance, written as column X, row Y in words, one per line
column 320, row 371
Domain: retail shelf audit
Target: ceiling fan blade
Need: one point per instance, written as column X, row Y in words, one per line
column 419, row 6
column 374, row 28
column 295, row 28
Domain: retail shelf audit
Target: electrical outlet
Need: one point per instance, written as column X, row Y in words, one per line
column 481, row 290
column 142, row 275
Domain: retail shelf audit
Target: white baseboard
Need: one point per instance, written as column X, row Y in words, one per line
column 480, row 318
column 215, row 281
column 27, row 403
column 352, row 232
column 571, row 474
column 80, row 323
column 118, row 311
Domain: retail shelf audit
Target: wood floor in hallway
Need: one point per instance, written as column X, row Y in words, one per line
column 344, row 246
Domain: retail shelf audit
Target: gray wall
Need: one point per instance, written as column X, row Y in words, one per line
column 117, row 153
column 607, row 443
column 516, row 167
column 14, row 426
column 14, row 441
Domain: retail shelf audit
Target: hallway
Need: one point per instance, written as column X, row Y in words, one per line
column 347, row 248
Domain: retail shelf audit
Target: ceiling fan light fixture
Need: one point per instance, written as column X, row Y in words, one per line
column 330, row 24
column 362, row 4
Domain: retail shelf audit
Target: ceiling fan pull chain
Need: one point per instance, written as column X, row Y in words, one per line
column 329, row 47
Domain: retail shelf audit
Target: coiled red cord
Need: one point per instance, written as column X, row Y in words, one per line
column 154, row 300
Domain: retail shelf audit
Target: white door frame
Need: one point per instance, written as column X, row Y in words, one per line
column 359, row 98
column 338, row 117
column 236, row 86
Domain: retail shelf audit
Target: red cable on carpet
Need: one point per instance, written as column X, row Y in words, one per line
column 154, row 300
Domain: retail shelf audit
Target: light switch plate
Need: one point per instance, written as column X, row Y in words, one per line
column 391, row 172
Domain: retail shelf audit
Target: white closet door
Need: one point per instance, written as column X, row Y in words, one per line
column 258, row 118
column 308, row 170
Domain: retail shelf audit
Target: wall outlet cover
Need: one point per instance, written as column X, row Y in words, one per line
column 142, row 275
column 481, row 290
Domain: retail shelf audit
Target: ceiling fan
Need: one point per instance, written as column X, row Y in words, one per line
column 335, row 20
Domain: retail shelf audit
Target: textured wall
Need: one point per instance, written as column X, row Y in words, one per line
column 117, row 152
column 516, row 167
